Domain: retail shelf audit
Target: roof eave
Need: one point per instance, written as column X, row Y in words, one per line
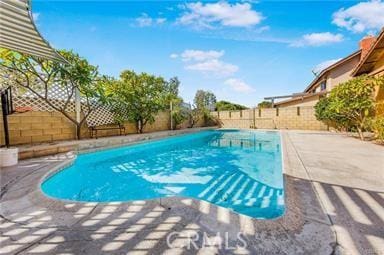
column 301, row 97
column 329, row 68
column 358, row 68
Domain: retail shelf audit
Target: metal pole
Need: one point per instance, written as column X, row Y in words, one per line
column 254, row 118
column 171, row 107
column 4, row 108
column 77, row 105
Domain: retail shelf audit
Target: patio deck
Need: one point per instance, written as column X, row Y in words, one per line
column 334, row 188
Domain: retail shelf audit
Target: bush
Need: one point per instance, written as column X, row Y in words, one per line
column 228, row 106
column 179, row 113
column 350, row 104
column 378, row 127
column 264, row 104
column 324, row 113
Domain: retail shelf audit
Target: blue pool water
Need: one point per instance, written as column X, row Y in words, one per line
column 239, row 170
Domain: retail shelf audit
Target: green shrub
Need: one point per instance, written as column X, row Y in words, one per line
column 378, row 127
column 228, row 106
column 350, row 104
column 264, row 104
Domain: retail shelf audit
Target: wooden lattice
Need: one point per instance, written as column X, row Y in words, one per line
column 58, row 96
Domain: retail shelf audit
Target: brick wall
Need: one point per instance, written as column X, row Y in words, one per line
column 271, row 118
column 36, row 127
column 39, row 127
column 43, row 127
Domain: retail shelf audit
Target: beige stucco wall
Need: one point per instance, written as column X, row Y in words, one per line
column 378, row 70
column 334, row 77
column 341, row 73
column 271, row 118
column 338, row 74
column 309, row 101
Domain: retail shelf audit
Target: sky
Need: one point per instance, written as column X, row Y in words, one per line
column 242, row 51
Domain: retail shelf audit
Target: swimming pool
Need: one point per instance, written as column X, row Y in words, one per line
column 238, row 170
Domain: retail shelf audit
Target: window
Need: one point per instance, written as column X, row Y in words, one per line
column 323, row 85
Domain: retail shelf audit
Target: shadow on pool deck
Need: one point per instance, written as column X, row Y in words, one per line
column 34, row 224
column 142, row 227
column 358, row 217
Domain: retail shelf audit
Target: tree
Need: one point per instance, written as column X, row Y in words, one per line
column 228, row 106
column 38, row 76
column 204, row 100
column 264, row 104
column 350, row 104
column 137, row 97
column 178, row 113
column 172, row 89
column 204, row 103
column 195, row 116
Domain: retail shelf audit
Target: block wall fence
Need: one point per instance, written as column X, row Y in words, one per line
column 43, row 127
column 301, row 118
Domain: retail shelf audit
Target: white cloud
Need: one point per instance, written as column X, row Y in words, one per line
column 161, row 20
column 215, row 67
column 207, row 62
column 364, row 16
column 199, row 55
column 318, row 39
column 320, row 67
column 35, row 16
column 145, row 20
column 239, row 85
column 208, row 15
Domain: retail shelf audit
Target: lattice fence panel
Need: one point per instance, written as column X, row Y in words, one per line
column 58, row 95
column 101, row 115
column 38, row 105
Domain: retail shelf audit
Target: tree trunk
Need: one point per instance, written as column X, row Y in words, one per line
column 141, row 127
column 78, row 131
column 361, row 135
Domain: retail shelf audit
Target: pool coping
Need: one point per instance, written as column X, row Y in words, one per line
column 296, row 220
column 41, row 150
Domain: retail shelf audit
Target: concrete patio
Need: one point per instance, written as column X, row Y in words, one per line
column 334, row 192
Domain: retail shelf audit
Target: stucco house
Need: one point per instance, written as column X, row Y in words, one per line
column 330, row 77
column 373, row 64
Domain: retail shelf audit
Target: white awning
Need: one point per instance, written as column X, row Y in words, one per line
column 19, row 33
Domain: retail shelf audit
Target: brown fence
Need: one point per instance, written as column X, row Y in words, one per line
column 271, row 118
